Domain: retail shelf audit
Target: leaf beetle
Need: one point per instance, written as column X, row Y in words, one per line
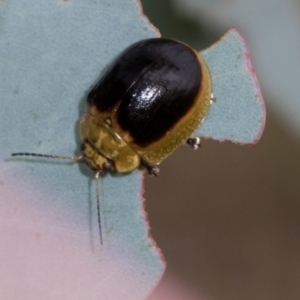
column 148, row 103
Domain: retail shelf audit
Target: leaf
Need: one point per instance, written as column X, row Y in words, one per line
column 238, row 115
column 51, row 53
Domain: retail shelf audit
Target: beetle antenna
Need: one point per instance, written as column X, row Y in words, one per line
column 79, row 157
column 98, row 206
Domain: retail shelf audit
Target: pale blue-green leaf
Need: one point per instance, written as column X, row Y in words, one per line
column 238, row 114
column 50, row 56
column 51, row 53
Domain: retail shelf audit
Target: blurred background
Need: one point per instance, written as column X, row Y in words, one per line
column 227, row 217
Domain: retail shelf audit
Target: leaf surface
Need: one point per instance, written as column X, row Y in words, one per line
column 51, row 53
column 238, row 114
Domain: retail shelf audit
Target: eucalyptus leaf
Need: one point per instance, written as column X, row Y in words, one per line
column 51, row 53
column 238, row 114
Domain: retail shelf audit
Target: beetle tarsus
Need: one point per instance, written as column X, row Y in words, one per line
column 152, row 170
column 194, row 142
column 213, row 99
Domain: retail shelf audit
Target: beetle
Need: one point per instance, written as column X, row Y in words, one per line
column 148, row 103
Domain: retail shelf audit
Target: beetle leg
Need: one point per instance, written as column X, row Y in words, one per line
column 212, row 98
column 152, row 170
column 194, row 142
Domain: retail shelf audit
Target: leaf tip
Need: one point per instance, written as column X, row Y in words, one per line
column 252, row 74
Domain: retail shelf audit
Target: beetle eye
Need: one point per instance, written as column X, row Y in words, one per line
column 108, row 121
column 107, row 167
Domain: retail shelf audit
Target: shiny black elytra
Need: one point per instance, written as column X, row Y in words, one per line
column 155, row 82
